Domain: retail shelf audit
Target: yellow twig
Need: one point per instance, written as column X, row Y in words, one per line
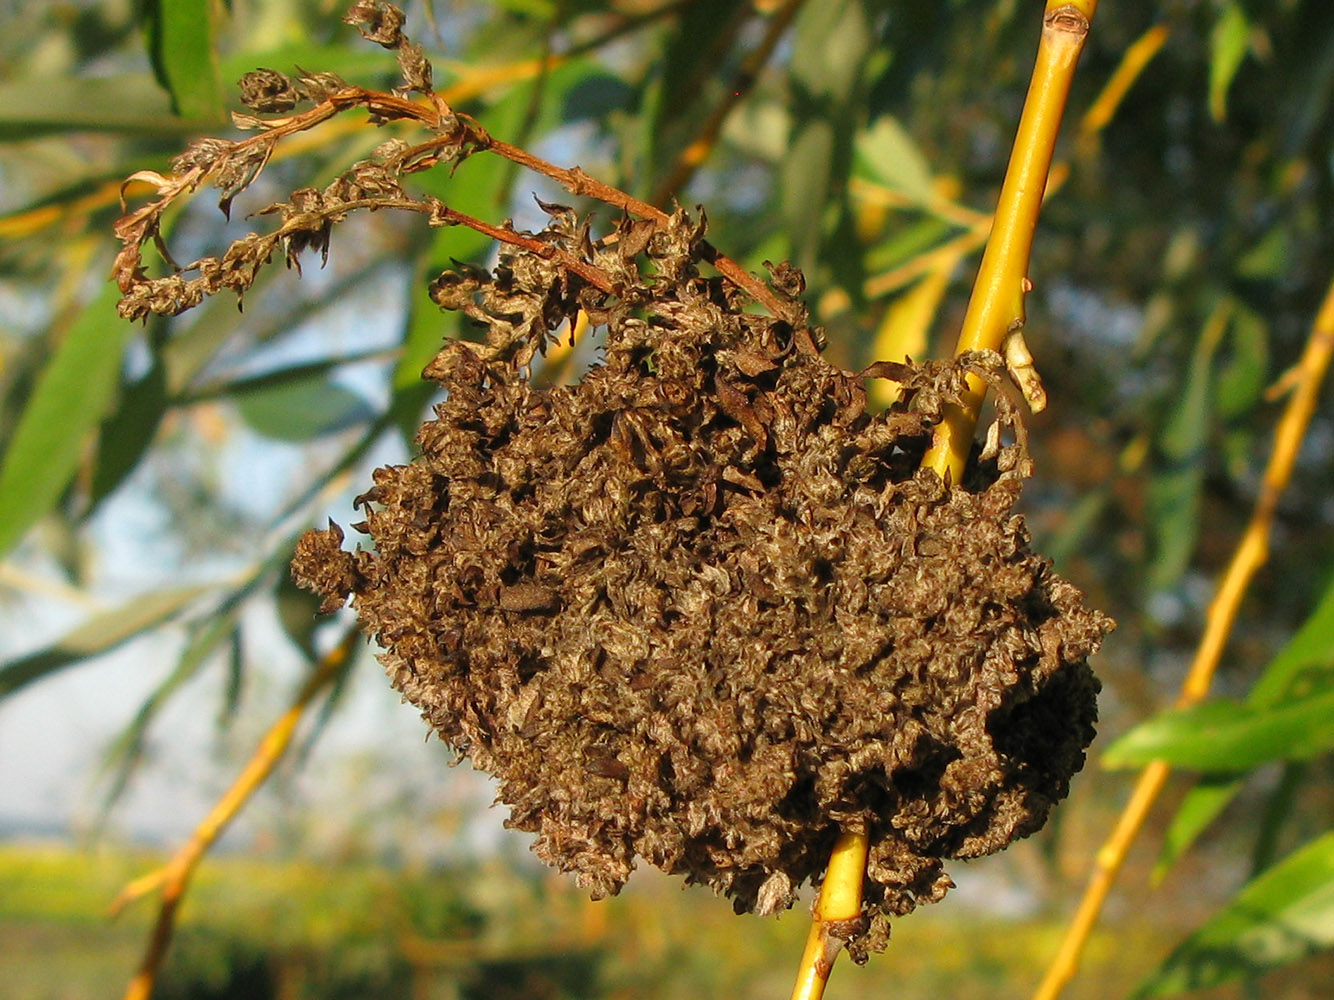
column 698, row 151
column 174, row 877
column 838, row 909
column 1251, row 553
column 997, row 303
column 1137, row 56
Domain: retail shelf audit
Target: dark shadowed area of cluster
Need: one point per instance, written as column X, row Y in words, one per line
column 702, row 608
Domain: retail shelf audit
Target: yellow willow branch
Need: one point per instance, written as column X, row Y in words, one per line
column 838, row 907
column 173, row 878
column 1136, row 57
column 1251, row 553
column 997, row 303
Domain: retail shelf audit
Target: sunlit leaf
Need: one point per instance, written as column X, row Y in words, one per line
column 1227, row 48
column 1228, row 736
column 69, row 400
column 1201, row 806
column 1305, row 664
column 180, row 45
column 888, row 155
column 100, row 634
column 1283, row 915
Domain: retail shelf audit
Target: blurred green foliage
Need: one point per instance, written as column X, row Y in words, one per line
column 1177, row 271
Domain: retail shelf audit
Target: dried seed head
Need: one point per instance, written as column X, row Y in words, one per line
column 377, row 21
column 268, row 91
column 702, row 608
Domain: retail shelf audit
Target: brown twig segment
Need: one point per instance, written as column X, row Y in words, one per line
column 232, row 166
column 837, row 911
column 698, row 151
column 173, row 878
column 1252, row 552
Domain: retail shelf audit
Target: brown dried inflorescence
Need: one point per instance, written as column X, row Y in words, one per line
column 703, row 608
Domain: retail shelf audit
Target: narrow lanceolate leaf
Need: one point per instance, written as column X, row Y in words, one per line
column 181, row 46
column 1227, row 48
column 70, row 398
column 1283, row 915
column 1304, row 666
column 99, row 634
column 1306, row 663
column 125, row 754
column 1226, row 736
column 301, row 409
column 888, row 155
column 127, row 433
column 1201, row 806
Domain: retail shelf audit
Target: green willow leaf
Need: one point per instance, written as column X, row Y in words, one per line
column 888, row 155
column 1283, row 915
column 30, row 106
column 127, row 434
column 1227, row 48
column 99, row 634
column 1201, row 806
column 70, row 398
column 184, row 57
column 1227, row 736
column 300, row 408
column 1306, row 663
column 1304, row 666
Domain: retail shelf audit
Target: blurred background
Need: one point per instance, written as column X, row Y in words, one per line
column 154, row 477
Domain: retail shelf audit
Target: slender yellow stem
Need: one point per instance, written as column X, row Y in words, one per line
column 1251, row 553
column 840, row 902
column 1136, row 57
column 173, row 878
column 997, row 303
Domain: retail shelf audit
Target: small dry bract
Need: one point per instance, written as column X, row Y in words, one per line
column 703, row 608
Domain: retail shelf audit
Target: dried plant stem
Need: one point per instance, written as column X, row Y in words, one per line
column 839, row 904
column 698, row 151
column 577, row 182
column 997, row 302
column 454, row 131
column 1251, row 553
column 173, row 878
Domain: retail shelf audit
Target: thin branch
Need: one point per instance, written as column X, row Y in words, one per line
column 996, row 302
column 837, row 915
column 458, row 136
column 173, row 878
column 698, row 151
column 578, row 183
column 1252, row 552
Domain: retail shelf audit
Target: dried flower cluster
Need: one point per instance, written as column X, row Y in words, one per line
column 704, row 609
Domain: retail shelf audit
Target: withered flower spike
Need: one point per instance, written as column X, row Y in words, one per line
column 703, row 608
column 377, row 21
